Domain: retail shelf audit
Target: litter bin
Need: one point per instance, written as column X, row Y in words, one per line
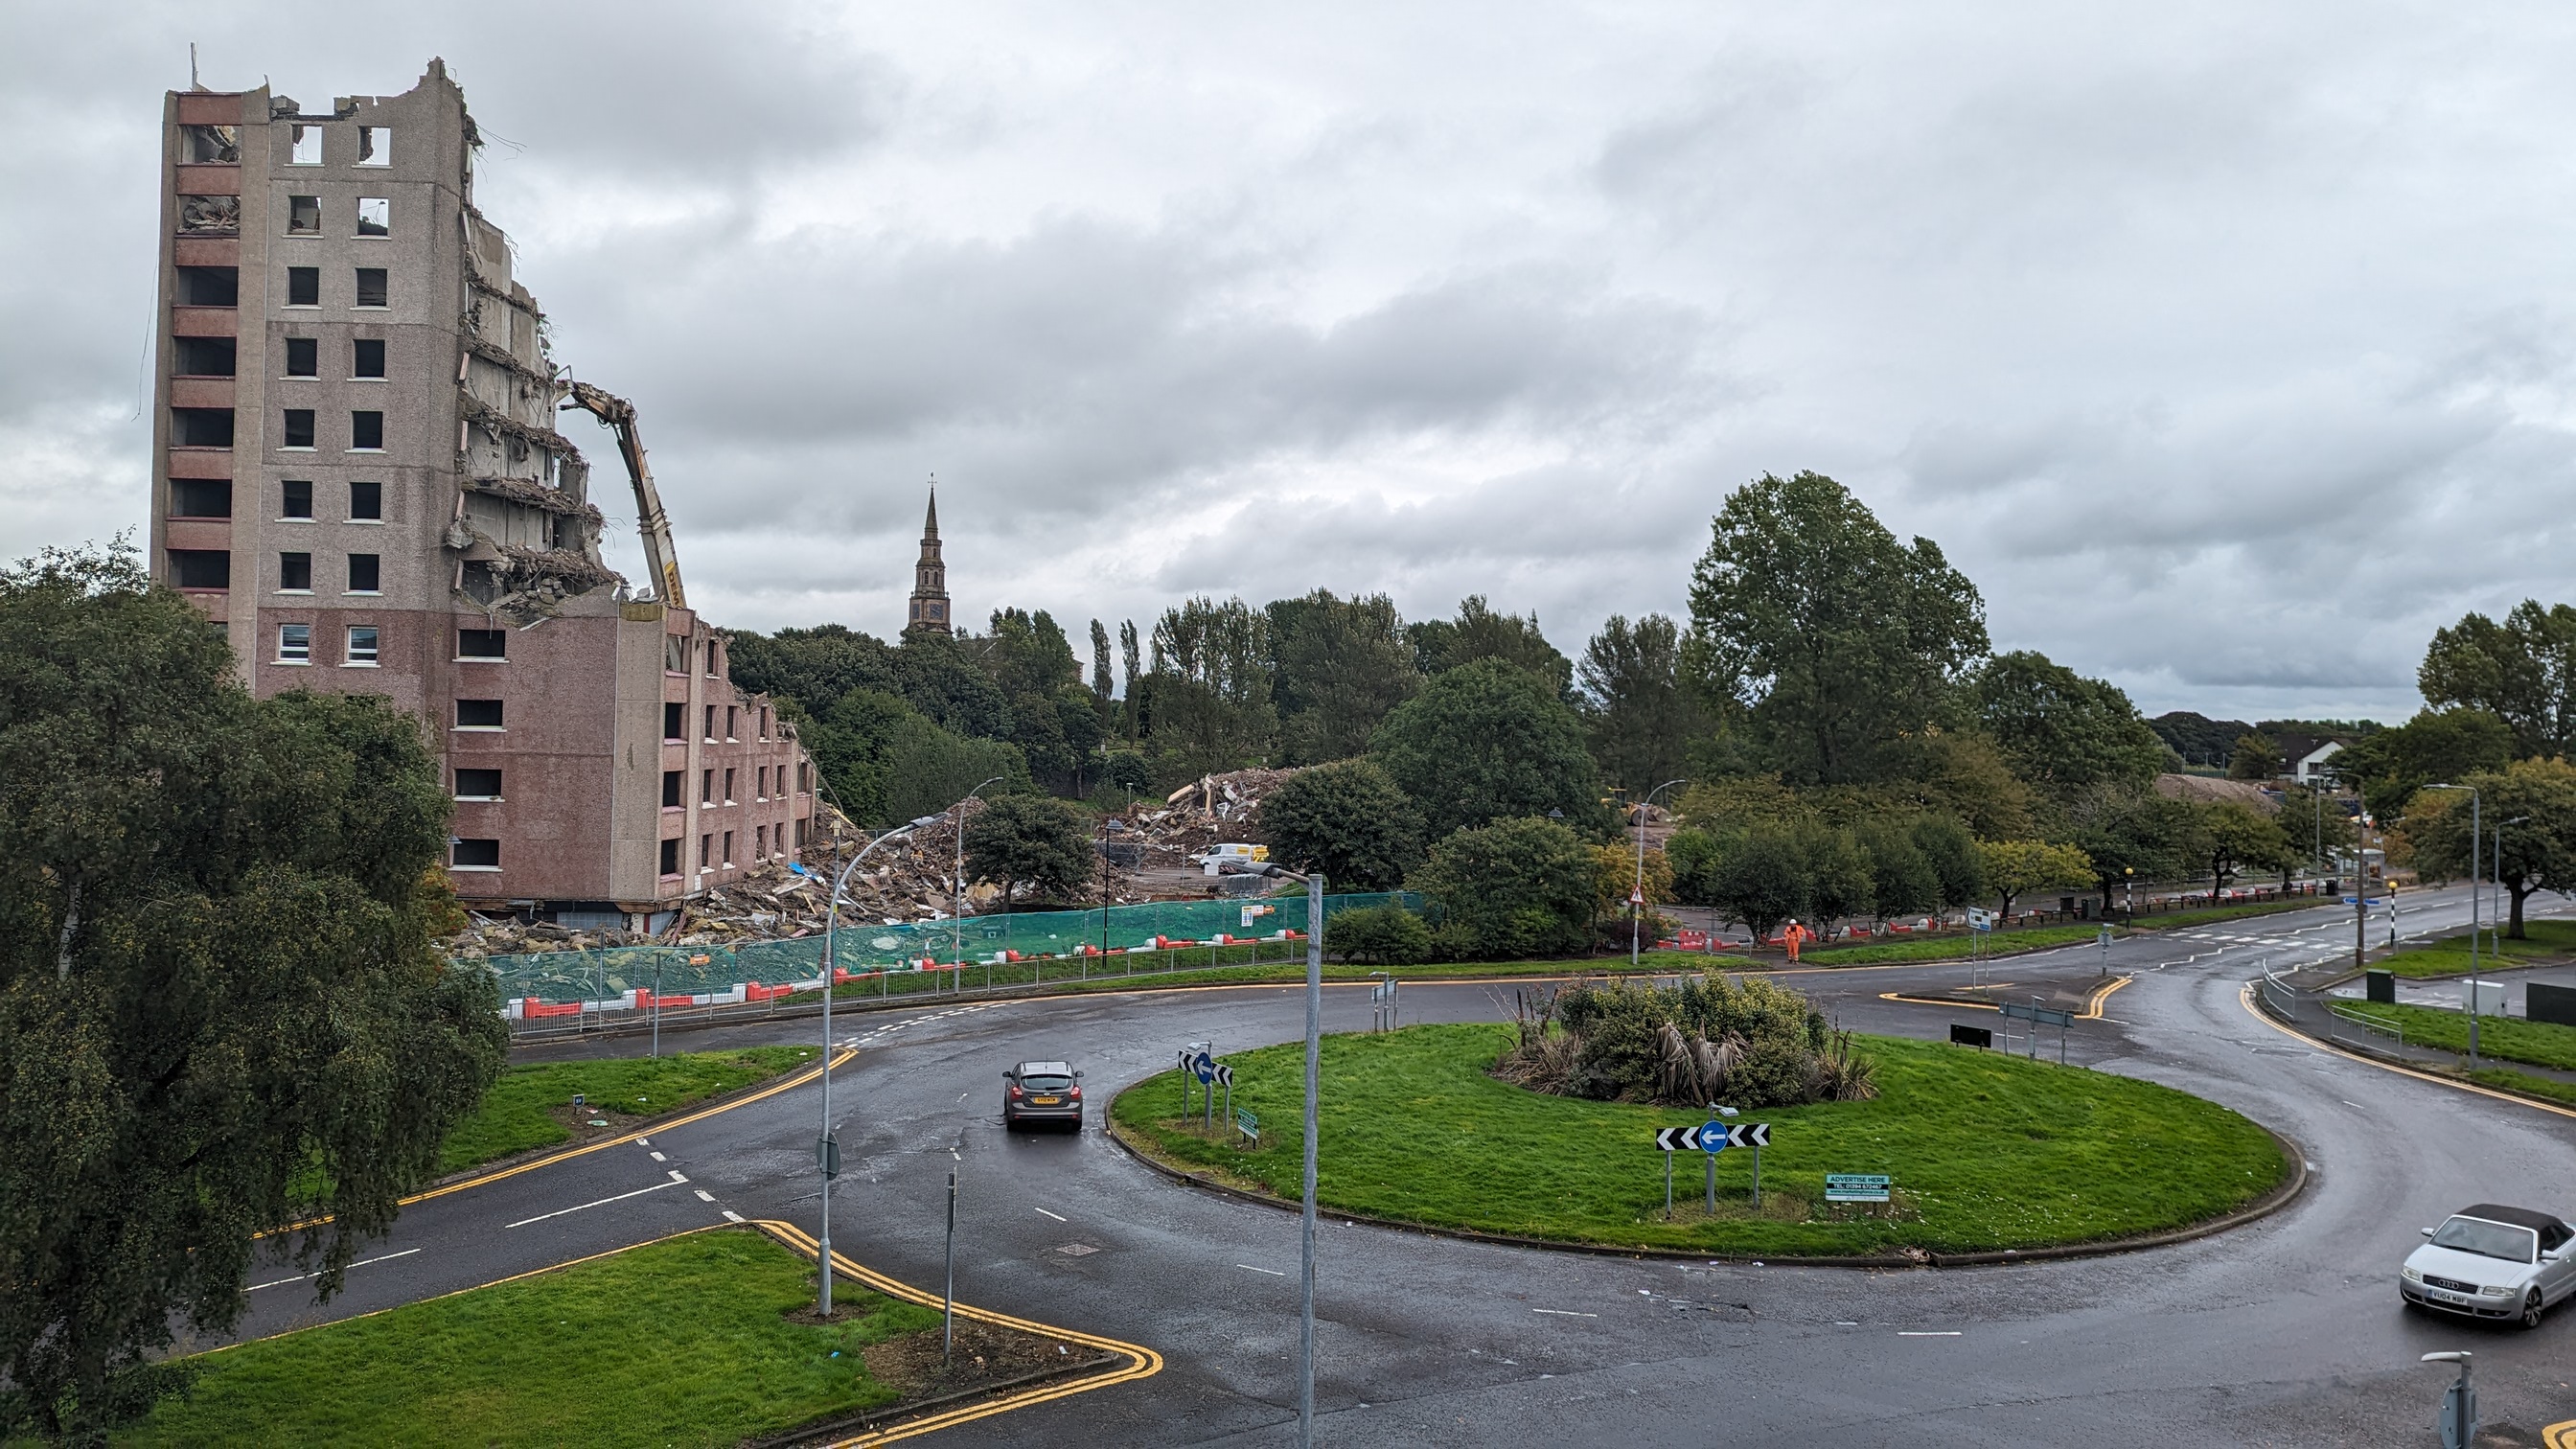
column 2380, row 986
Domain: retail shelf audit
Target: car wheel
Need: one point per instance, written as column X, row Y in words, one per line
column 2531, row 1307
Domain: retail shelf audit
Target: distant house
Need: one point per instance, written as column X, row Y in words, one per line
column 2303, row 757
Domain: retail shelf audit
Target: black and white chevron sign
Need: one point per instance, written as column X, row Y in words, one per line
column 1713, row 1137
column 1224, row 1075
column 1749, row 1134
column 1677, row 1139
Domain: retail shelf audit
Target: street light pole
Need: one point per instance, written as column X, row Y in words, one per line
column 1314, row 1059
column 826, row 1151
column 957, row 916
column 2476, row 834
column 1637, row 903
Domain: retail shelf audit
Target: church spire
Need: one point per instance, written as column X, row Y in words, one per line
column 929, row 576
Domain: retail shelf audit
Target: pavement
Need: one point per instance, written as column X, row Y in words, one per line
column 2284, row 1332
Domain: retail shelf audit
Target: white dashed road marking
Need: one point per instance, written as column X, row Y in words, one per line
column 621, row 1197
column 1059, row 1217
column 304, row 1277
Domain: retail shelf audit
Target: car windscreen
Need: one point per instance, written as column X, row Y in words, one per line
column 1045, row 1082
column 2487, row 1240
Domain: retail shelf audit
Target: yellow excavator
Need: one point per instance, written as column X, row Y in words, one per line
column 618, row 415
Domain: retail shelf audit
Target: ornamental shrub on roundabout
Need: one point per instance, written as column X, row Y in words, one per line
column 1742, row 1043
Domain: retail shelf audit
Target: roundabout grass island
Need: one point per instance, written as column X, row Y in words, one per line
column 1987, row 1152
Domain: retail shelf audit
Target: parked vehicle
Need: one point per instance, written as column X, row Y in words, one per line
column 2492, row 1261
column 1216, row 858
column 1041, row 1092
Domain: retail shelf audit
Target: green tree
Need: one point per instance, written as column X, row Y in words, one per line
column 1840, row 879
column 1902, row 880
column 2523, row 671
column 1641, row 716
column 2235, row 837
column 2197, row 739
column 2256, row 758
column 2133, row 836
column 1440, row 645
column 1760, row 878
column 1827, row 638
column 1378, row 936
column 1030, row 840
column 1348, row 820
column 1340, row 665
column 2534, row 801
column 2013, row 867
column 812, row 666
column 222, row 1008
column 1104, row 681
column 1485, row 741
column 1951, row 850
column 1209, row 707
column 1512, row 889
column 2436, row 745
column 2060, row 731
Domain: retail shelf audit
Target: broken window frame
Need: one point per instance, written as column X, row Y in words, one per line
column 216, row 576
column 375, row 146
column 197, row 284
column 497, row 639
column 294, row 644
column 726, row 858
column 381, row 289
column 303, row 356
column 201, row 498
column 674, row 788
column 670, row 861
column 375, row 216
column 304, row 145
column 209, row 145
column 706, row 847
column 201, row 427
column 303, row 216
column 365, row 643
column 675, row 722
column 675, row 655
column 189, row 356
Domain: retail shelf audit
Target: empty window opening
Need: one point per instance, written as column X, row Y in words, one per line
column 715, row 663
column 364, row 572
column 375, row 146
column 371, row 287
column 304, row 216
column 764, row 721
column 478, row 714
column 729, row 721
column 375, row 216
column 482, row 643
column 711, row 724
column 295, row 573
column 707, row 787
column 760, row 784
column 675, row 721
column 295, row 498
column 478, row 855
column 478, row 784
column 367, row 431
column 210, row 286
column 728, row 794
column 800, row 835
column 671, row 858
column 362, row 644
column 299, row 428
column 804, row 781
column 366, row 502
column 205, row 356
column 202, row 427
column 367, row 357
column 671, row 789
column 201, row 498
column 706, row 848
column 308, row 147
column 210, row 145
column 303, row 357
column 202, row 215
column 727, row 857
column 303, row 286
column 294, row 643
column 202, row 568
column 759, row 842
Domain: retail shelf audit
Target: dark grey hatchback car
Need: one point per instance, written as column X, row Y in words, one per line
column 1042, row 1092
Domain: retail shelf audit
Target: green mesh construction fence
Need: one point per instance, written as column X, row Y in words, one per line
column 608, row 977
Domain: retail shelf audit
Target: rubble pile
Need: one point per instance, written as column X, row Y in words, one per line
column 1209, row 811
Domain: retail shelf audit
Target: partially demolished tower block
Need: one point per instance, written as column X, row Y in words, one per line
column 357, row 475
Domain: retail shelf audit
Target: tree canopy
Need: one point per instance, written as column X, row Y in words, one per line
column 1822, row 637
column 1030, row 840
column 1639, row 713
column 1340, row 665
column 1514, row 888
column 221, row 1007
column 2436, row 745
column 1348, row 820
column 2060, row 731
column 1485, row 741
column 2522, row 670
column 1482, row 632
column 2529, row 804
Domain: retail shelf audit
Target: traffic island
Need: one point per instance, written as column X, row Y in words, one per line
column 1980, row 1154
column 689, row 1340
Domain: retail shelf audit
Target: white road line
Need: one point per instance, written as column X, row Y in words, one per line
column 643, row 1141
column 1059, row 1217
column 1565, row 1313
column 703, row 1194
column 731, row 1216
column 302, row 1277
column 1927, row 1333
column 658, row 1157
column 621, row 1197
column 1273, row 1272
column 676, row 1175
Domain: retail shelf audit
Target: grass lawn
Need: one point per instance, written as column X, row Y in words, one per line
column 1987, row 1151
column 677, row 1342
column 2212, row 915
column 2548, row 940
column 514, row 1116
column 2549, row 1087
column 2539, row 1043
column 1955, row 946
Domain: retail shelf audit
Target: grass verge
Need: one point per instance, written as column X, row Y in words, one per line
column 2549, row 1087
column 2547, row 941
column 1987, row 1151
column 2213, row 915
column 2510, row 1038
column 1956, row 947
column 678, row 1342
column 527, row 1107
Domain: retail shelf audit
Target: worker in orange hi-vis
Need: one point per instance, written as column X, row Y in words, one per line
column 1795, row 936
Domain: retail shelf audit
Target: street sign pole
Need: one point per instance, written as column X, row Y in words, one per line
column 1710, row 1158
column 948, row 1281
column 1757, row 1177
column 1668, row 1184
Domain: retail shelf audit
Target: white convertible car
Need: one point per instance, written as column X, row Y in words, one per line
column 2491, row 1261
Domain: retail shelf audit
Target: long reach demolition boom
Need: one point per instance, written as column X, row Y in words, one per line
column 655, row 525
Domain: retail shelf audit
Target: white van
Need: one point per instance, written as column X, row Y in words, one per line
column 1241, row 857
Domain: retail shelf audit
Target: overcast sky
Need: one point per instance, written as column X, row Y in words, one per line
column 2226, row 348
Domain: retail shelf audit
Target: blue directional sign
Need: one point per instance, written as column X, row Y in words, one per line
column 1712, row 1137
column 1203, row 1067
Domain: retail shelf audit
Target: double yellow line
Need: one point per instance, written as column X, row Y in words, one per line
column 2092, row 1004
column 1142, row 1362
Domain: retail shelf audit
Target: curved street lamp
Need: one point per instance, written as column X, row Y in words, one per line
column 827, row 1152
column 1314, row 1049
column 1637, row 895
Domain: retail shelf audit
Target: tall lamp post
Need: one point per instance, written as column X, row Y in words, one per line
column 827, row 1152
column 1637, row 902
column 957, row 917
column 2476, row 833
column 1314, row 1059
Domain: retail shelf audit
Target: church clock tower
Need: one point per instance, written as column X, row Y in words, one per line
column 929, row 578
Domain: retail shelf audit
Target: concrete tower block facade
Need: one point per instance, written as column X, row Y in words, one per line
column 357, row 476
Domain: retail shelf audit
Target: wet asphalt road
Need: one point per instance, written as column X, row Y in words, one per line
column 2286, row 1332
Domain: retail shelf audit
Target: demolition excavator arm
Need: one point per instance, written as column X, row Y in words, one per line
column 619, row 417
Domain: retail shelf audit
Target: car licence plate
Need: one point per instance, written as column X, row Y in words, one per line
column 1044, row 1101
column 2449, row 1297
